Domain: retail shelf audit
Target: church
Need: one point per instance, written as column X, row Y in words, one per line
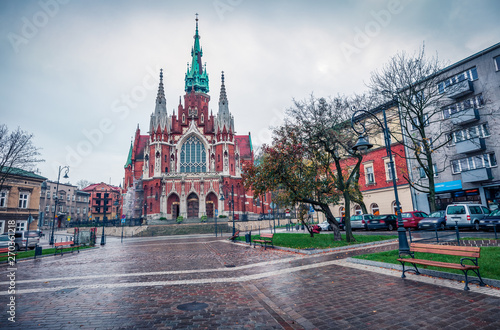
column 190, row 159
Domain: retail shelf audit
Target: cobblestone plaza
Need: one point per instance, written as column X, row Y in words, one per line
column 204, row 282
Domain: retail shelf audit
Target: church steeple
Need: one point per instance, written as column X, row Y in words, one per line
column 161, row 101
column 224, row 118
column 196, row 76
column 160, row 118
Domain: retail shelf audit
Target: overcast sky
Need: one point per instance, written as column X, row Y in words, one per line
column 81, row 75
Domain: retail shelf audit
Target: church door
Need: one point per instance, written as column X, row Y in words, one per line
column 210, row 210
column 175, row 211
column 192, row 206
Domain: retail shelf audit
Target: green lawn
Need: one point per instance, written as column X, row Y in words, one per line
column 488, row 262
column 305, row 241
column 31, row 253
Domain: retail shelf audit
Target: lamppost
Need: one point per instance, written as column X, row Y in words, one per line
column 56, row 199
column 105, row 202
column 363, row 144
column 231, row 201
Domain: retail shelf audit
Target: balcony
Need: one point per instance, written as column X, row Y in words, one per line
column 464, row 117
column 459, row 89
column 472, row 145
column 479, row 174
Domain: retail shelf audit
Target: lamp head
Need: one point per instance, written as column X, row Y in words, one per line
column 66, row 175
column 362, row 144
column 221, row 197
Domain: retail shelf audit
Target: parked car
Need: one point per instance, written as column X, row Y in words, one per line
column 325, row 226
column 359, row 221
column 31, row 237
column 435, row 220
column 411, row 219
column 383, row 221
column 490, row 221
column 268, row 216
column 466, row 215
column 4, row 241
column 341, row 221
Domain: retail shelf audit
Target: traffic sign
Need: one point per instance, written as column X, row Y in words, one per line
column 69, row 218
column 123, row 220
column 216, row 212
column 123, row 216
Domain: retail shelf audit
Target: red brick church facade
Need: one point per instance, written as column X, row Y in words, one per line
column 190, row 158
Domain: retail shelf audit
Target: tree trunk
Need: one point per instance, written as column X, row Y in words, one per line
column 333, row 222
column 347, row 220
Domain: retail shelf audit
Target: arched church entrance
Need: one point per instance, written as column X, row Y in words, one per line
column 210, row 205
column 173, row 206
column 192, row 206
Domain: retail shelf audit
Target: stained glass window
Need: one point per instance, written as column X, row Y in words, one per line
column 193, row 156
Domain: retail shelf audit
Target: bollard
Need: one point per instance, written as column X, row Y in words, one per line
column 458, row 233
column 495, row 229
column 436, row 230
column 409, row 232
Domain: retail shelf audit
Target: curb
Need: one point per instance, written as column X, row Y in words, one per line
column 433, row 273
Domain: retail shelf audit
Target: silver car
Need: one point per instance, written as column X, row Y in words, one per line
column 465, row 215
column 31, row 238
column 359, row 221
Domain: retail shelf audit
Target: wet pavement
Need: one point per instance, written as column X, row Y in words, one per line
column 208, row 283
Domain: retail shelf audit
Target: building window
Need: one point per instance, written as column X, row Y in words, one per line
column 342, row 211
column 202, row 118
column 357, row 210
column 21, row 225
column 423, row 175
column 470, row 74
column 47, row 208
column 23, row 200
column 481, row 131
column 415, row 122
column 388, row 172
column 369, row 175
column 472, row 102
column 375, row 209
column 3, row 198
column 193, row 156
column 497, row 63
column 474, row 162
column 394, row 207
column 48, row 195
column 183, row 118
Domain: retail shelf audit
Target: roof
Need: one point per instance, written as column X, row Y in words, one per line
column 20, row 172
column 95, row 185
column 245, row 146
column 143, row 142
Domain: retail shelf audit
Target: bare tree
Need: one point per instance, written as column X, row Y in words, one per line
column 412, row 80
column 83, row 184
column 16, row 152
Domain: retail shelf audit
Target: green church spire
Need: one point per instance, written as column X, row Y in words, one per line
column 196, row 75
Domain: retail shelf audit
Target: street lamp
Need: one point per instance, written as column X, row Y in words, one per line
column 51, row 241
column 363, row 144
column 105, row 202
column 232, row 203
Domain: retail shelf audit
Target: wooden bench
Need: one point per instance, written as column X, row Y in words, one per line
column 470, row 254
column 264, row 241
column 59, row 246
column 10, row 255
column 237, row 234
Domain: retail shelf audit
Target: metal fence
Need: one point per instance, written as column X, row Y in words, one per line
column 438, row 236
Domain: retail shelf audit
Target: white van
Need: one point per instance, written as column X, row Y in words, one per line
column 465, row 215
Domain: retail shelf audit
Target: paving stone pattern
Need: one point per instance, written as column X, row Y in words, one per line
column 140, row 284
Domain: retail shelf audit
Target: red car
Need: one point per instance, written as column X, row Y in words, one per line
column 411, row 219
